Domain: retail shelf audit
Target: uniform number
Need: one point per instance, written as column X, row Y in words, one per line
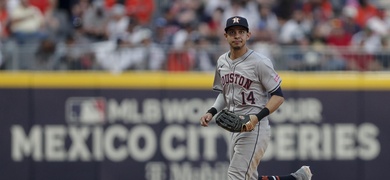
column 250, row 98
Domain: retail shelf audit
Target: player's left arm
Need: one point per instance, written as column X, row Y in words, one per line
column 275, row 101
column 272, row 105
column 272, row 82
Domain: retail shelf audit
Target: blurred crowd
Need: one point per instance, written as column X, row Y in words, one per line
column 186, row 35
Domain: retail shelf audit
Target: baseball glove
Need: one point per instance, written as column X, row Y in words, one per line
column 231, row 122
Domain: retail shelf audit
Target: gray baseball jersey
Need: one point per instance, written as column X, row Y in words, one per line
column 246, row 83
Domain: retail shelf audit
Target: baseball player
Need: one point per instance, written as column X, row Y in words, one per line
column 248, row 85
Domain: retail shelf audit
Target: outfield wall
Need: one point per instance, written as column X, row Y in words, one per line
column 145, row 126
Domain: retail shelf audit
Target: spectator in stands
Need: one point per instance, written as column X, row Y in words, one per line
column 4, row 33
column 290, row 32
column 365, row 44
column 338, row 35
column 4, row 20
column 319, row 10
column 94, row 20
column 319, row 34
column 118, row 23
column 339, row 40
column 26, row 22
column 268, row 21
column 167, row 25
column 320, row 55
column 348, row 19
column 307, row 26
column 77, row 11
column 76, row 15
column 84, row 4
column 45, row 55
column 108, row 4
column 159, row 34
column 124, row 53
column 214, row 29
column 56, row 23
column 284, row 8
column 264, row 41
column 198, row 7
column 42, row 5
column 304, row 21
column 205, row 56
column 116, row 56
column 74, row 54
column 26, row 28
column 181, row 56
column 383, row 56
column 181, row 59
column 384, row 16
column 365, row 11
column 131, row 32
column 338, row 6
column 367, row 39
column 213, row 5
column 187, row 31
column 292, row 35
column 152, row 56
column 12, row 4
column 3, row 29
column 142, row 10
column 332, row 60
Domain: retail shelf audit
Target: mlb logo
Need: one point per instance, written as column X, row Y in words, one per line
column 86, row 110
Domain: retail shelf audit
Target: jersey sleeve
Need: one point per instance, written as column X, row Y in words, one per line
column 269, row 78
column 217, row 85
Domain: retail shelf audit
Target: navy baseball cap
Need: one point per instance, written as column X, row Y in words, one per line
column 236, row 21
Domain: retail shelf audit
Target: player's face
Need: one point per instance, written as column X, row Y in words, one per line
column 237, row 37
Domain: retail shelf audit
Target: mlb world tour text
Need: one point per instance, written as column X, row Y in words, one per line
column 139, row 130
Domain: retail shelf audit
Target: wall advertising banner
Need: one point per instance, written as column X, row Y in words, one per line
column 103, row 132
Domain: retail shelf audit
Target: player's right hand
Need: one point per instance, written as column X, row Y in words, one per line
column 250, row 125
column 205, row 119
